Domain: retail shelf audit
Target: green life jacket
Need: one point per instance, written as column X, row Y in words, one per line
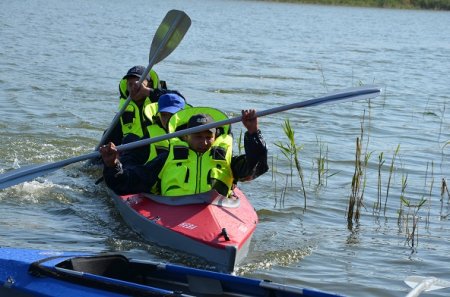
column 155, row 130
column 188, row 172
column 179, row 120
column 156, row 148
column 135, row 120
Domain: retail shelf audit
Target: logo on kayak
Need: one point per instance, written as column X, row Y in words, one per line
column 243, row 228
column 188, row 226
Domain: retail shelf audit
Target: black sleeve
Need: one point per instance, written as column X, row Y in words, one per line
column 136, row 156
column 254, row 162
column 115, row 135
column 134, row 179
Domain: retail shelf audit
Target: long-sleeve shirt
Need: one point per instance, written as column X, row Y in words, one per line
column 142, row 178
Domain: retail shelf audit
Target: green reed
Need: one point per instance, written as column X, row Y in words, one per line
column 356, row 187
column 322, row 164
column 291, row 151
column 412, row 232
column 377, row 205
column 391, row 170
column 359, row 179
column 402, row 197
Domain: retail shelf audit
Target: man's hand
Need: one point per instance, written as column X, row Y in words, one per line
column 250, row 120
column 110, row 155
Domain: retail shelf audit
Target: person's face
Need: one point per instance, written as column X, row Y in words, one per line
column 165, row 117
column 201, row 141
column 134, row 88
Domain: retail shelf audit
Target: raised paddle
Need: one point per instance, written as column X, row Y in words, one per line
column 424, row 284
column 169, row 34
column 20, row 175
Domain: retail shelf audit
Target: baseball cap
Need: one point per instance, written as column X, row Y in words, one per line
column 199, row 120
column 136, row 71
column 170, row 102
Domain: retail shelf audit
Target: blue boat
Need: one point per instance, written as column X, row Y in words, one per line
column 26, row 273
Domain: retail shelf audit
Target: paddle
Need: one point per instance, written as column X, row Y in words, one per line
column 20, row 175
column 169, row 34
column 421, row 284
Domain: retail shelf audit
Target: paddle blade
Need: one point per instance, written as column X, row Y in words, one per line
column 421, row 284
column 27, row 173
column 169, row 34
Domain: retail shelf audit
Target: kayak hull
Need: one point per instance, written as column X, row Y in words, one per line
column 26, row 272
column 208, row 225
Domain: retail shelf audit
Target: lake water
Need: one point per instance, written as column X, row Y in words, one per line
column 60, row 64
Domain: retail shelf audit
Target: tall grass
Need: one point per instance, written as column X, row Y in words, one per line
column 391, row 170
column 291, row 150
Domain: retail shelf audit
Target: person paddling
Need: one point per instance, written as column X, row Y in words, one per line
column 167, row 105
column 142, row 109
column 177, row 172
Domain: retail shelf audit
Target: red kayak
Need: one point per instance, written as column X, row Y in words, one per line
column 208, row 225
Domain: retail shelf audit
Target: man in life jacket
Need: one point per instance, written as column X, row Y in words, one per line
column 200, row 162
column 140, row 112
column 167, row 105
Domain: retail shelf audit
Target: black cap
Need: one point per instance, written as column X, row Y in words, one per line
column 199, row 120
column 136, row 71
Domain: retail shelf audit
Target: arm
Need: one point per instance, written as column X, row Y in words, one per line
column 131, row 180
column 254, row 162
column 137, row 156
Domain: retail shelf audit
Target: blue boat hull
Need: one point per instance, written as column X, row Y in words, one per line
column 25, row 273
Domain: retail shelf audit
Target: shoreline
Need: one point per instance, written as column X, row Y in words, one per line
column 438, row 5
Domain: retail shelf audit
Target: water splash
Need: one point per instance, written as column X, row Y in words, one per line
column 275, row 258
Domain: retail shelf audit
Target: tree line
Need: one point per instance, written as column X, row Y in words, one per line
column 411, row 4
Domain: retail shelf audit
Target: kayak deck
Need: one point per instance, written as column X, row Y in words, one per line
column 43, row 273
column 213, row 227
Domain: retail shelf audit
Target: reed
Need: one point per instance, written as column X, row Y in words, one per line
column 391, row 170
column 430, row 192
column 359, row 180
column 412, row 232
column 402, row 197
column 322, row 164
column 377, row 206
column 356, row 186
column 324, row 82
column 291, row 151
column 274, row 176
column 444, row 190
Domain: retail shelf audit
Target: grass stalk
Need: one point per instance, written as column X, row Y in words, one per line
column 291, row 151
column 391, row 170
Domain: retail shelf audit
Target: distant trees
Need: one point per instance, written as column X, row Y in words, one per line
column 419, row 4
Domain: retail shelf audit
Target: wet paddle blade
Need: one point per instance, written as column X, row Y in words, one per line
column 424, row 284
column 167, row 37
column 169, row 34
column 27, row 173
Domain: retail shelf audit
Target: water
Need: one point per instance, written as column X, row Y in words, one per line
column 60, row 64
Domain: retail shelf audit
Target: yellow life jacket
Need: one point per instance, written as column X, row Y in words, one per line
column 156, row 148
column 155, row 130
column 179, row 120
column 187, row 172
column 134, row 120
